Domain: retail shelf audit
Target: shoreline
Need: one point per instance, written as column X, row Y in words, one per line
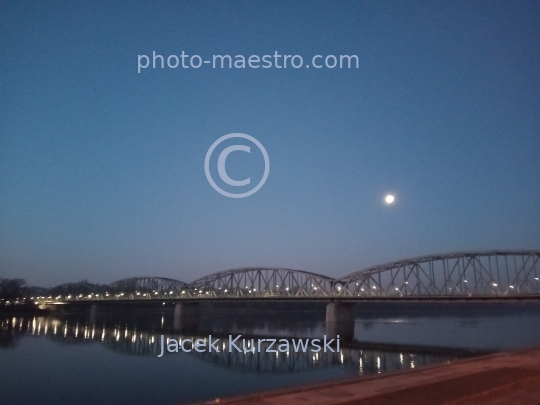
column 507, row 377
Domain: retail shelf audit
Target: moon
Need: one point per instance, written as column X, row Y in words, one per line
column 389, row 199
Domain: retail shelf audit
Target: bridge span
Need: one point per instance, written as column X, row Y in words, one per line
column 461, row 275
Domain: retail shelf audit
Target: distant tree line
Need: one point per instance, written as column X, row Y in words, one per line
column 12, row 288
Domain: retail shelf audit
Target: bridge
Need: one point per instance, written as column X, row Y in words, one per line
column 462, row 276
column 469, row 275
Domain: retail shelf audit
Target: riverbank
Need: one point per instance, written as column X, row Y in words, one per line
column 500, row 379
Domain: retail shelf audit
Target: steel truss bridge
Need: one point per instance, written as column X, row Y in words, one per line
column 484, row 274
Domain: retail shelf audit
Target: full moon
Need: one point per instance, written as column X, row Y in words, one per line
column 389, row 199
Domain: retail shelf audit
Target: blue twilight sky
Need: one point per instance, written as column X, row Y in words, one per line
column 102, row 169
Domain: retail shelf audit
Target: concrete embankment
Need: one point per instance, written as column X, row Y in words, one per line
column 501, row 379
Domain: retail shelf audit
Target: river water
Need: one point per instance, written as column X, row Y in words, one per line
column 113, row 359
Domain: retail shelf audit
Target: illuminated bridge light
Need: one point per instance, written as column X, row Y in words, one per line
column 306, row 283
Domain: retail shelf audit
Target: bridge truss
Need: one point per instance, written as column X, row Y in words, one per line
column 145, row 287
column 464, row 274
column 82, row 289
column 490, row 273
column 262, row 282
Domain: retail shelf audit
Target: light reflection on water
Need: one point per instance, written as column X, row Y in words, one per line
column 113, row 359
column 128, row 339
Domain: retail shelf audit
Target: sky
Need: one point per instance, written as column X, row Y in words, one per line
column 102, row 168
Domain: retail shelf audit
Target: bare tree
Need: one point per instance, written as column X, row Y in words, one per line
column 11, row 288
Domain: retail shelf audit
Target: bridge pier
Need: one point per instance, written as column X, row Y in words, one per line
column 94, row 312
column 340, row 321
column 186, row 316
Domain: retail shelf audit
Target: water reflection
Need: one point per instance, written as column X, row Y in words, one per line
column 115, row 350
column 142, row 339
